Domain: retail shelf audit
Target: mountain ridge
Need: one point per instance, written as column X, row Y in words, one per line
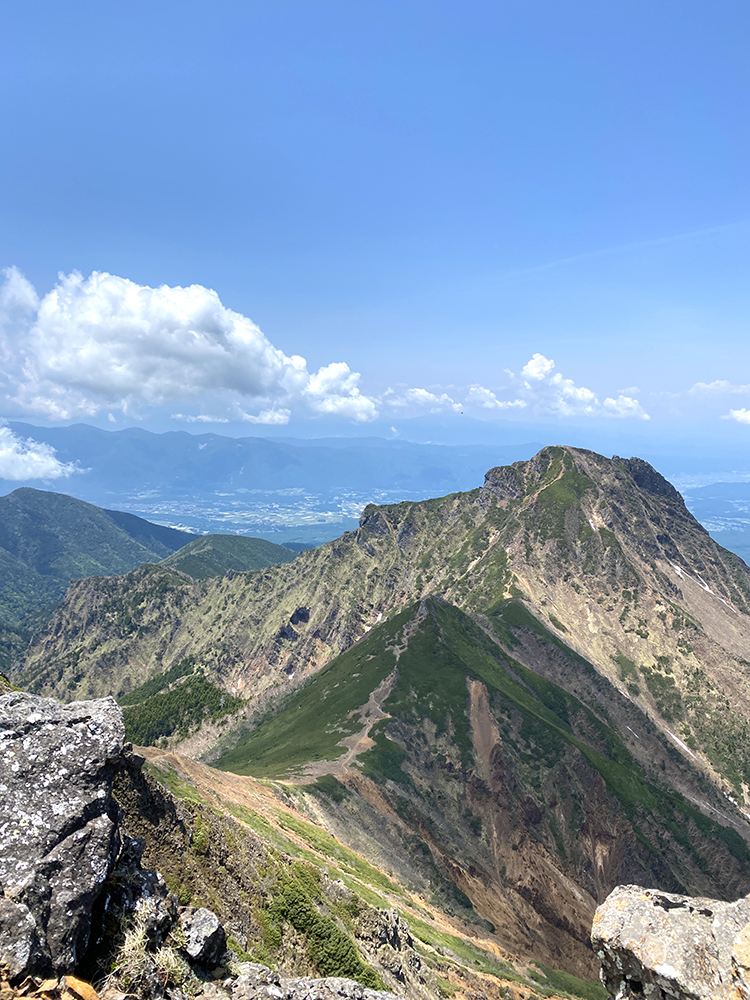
column 593, row 559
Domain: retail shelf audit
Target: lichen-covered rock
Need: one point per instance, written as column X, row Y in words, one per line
column 20, row 947
column 57, row 824
column 205, row 940
column 660, row 946
column 132, row 895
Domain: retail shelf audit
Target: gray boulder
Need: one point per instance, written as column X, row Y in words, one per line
column 206, row 941
column 57, row 825
column 659, row 946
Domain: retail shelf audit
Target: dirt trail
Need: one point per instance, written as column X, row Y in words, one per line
column 370, row 713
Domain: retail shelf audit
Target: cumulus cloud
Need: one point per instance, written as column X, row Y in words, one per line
column 487, row 399
column 545, row 393
column 537, row 367
column 24, row 458
column 105, row 342
column 404, row 400
column 334, row 390
column 718, row 387
column 742, row 416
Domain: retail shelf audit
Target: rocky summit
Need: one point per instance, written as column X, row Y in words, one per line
column 76, row 902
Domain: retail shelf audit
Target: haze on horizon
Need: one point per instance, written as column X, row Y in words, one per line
column 510, row 221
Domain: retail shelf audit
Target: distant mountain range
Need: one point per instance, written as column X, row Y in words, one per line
column 299, row 491
column 178, row 464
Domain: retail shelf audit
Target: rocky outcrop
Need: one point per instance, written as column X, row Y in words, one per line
column 660, row 946
column 57, row 826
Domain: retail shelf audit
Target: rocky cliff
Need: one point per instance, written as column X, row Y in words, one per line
column 58, row 823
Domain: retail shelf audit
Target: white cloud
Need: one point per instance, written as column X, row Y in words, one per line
column 104, row 343
column 199, row 418
column 24, row 458
column 333, row 390
column 277, row 418
column 405, row 399
column 625, row 406
column 547, row 394
column 741, row 416
column 718, row 387
column 487, row 399
column 537, row 367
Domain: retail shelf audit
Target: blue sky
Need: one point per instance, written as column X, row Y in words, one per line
column 429, row 195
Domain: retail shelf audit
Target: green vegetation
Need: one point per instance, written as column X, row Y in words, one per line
column 214, row 555
column 345, row 858
column 666, row 693
column 563, row 487
column 180, row 710
column 319, row 715
column 565, row 983
column 557, row 623
column 331, row 788
column 169, row 777
column 47, row 539
column 298, row 900
column 628, row 673
column 157, row 684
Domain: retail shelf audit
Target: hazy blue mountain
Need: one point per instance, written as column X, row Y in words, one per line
column 177, row 463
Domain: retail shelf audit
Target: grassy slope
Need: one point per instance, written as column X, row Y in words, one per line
column 430, row 694
column 213, row 555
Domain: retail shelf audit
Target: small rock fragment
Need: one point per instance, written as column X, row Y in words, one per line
column 206, row 940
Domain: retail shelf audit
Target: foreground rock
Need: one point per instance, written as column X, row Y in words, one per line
column 57, row 826
column 257, row 982
column 660, row 946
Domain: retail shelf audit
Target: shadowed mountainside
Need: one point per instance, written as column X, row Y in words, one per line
column 46, row 539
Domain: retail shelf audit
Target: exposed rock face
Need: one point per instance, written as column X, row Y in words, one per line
column 57, row 825
column 666, row 947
